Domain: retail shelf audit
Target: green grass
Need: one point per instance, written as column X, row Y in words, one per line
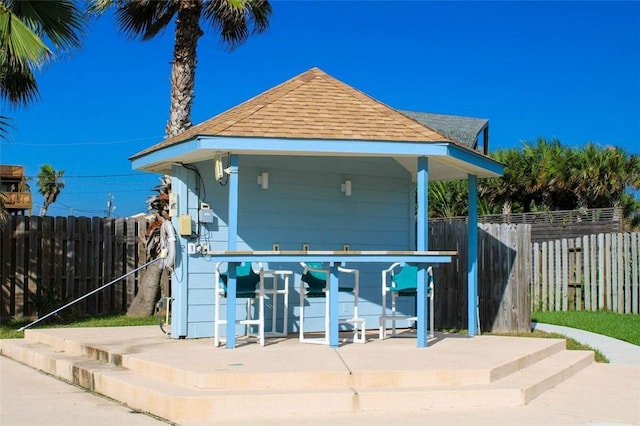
column 572, row 345
column 10, row 329
column 619, row 326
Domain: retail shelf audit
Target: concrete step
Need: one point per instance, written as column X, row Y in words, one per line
column 454, row 373
column 514, row 390
column 547, row 373
column 296, row 374
column 180, row 404
column 172, row 401
column 65, row 366
column 181, row 395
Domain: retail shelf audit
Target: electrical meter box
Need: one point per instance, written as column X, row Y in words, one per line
column 205, row 216
column 184, row 224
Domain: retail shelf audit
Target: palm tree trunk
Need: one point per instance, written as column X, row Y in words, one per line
column 148, row 293
column 183, row 69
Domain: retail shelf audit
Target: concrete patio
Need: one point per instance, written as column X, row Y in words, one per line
column 456, row 377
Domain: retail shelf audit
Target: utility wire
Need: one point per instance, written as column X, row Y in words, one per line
column 99, row 176
column 81, row 143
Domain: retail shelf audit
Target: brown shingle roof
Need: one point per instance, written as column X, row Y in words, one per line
column 312, row 105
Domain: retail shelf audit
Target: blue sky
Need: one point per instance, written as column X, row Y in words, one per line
column 569, row 70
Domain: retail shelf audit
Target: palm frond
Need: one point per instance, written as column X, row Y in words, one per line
column 145, row 18
column 17, row 83
column 99, row 6
column 159, row 204
column 4, row 125
column 260, row 14
column 24, row 27
column 60, row 21
column 237, row 19
column 19, row 42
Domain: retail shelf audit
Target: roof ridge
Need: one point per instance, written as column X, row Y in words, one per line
column 440, row 114
column 387, row 110
column 304, row 78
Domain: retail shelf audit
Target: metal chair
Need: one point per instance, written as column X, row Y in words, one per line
column 314, row 284
column 250, row 286
column 402, row 281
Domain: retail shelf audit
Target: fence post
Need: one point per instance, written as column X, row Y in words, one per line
column 565, row 273
column 7, row 268
column 34, row 265
column 535, row 279
column 21, row 270
column 635, row 281
column 545, row 280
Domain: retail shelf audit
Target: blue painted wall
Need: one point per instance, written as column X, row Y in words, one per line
column 303, row 204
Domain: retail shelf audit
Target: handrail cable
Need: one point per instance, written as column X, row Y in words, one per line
column 88, row 294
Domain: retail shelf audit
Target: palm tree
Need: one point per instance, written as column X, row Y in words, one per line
column 51, row 184
column 631, row 212
column 549, row 176
column 603, row 174
column 447, row 198
column 513, row 188
column 149, row 289
column 547, row 170
column 234, row 20
column 25, row 28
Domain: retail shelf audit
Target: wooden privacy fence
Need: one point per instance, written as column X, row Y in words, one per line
column 49, row 261
column 592, row 272
column 503, row 276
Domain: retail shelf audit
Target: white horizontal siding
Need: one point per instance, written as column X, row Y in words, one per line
column 303, row 204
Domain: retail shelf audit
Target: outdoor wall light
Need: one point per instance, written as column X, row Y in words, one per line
column 263, row 180
column 346, row 188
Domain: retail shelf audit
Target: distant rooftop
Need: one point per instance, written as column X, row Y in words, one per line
column 464, row 130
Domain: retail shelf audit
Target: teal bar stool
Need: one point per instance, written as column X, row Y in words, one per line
column 314, row 285
column 402, row 281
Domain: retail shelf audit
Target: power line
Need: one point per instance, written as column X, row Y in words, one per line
column 82, row 143
column 59, row 205
column 115, row 191
column 99, row 176
column 105, row 176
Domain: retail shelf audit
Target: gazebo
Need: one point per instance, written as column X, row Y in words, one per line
column 312, row 169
